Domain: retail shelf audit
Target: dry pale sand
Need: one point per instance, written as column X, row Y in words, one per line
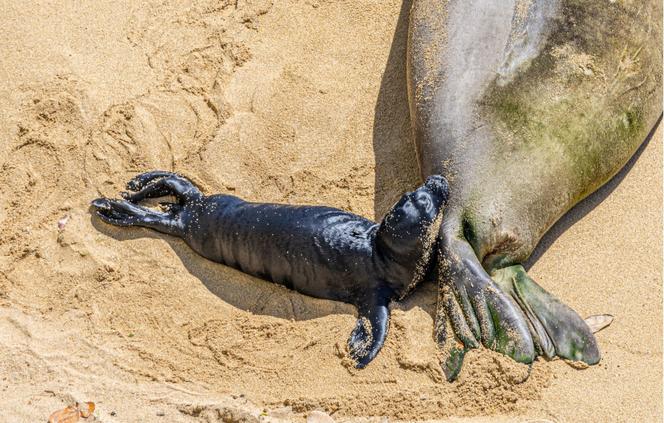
column 291, row 101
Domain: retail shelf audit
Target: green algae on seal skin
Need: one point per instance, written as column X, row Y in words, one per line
column 537, row 106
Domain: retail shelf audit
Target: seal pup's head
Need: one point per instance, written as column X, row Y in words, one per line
column 406, row 236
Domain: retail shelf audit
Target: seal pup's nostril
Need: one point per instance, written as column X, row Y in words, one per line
column 437, row 184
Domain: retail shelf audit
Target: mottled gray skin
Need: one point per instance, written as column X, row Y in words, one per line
column 526, row 107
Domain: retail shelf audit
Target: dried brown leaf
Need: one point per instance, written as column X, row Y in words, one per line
column 70, row 414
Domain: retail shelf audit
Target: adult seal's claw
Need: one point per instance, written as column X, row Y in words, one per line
column 318, row 251
column 452, row 351
column 453, row 362
column 526, row 108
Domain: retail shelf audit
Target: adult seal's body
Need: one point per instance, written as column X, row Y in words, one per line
column 318, row 251
column 526, row 107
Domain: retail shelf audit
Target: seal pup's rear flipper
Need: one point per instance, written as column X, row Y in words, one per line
column 557, row 329
column 368, row 336
column 160, row 184
column 124, row 213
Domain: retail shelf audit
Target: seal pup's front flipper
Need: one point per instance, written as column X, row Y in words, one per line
column 368, row 336
column 556, row 328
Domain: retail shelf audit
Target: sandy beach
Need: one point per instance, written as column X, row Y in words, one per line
column 297, row 101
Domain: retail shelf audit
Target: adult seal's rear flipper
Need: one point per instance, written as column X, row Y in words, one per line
column 476, row 307
column 506, row 311
column 526, row 107
column 558, row 330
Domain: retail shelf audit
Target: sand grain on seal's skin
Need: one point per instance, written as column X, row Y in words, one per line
column 273, row 101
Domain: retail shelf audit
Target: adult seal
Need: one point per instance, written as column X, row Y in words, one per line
column 319, row 251
column 526, row 107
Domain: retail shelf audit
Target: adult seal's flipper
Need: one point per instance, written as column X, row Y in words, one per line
column 507, row 311
column 368, row 336
column 477, row 308
column 557, row 329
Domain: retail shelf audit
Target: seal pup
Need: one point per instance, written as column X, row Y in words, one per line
column 526, row 107
column 319, row 251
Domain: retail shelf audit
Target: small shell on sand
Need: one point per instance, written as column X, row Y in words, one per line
column 598, row 322
column 63, row 222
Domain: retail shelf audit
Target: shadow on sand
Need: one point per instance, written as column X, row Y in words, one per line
column 397, row 170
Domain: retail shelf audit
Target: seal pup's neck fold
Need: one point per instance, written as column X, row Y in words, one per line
column 403, row 272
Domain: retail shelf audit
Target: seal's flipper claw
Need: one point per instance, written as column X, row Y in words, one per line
column 457, row 320
column 369, row 333
column 450, row 320
column 561, row 331
column 108, row 212
column 453, row 362
column 102, row 204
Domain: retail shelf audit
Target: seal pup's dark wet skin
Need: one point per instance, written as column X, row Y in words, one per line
column 319, row 251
